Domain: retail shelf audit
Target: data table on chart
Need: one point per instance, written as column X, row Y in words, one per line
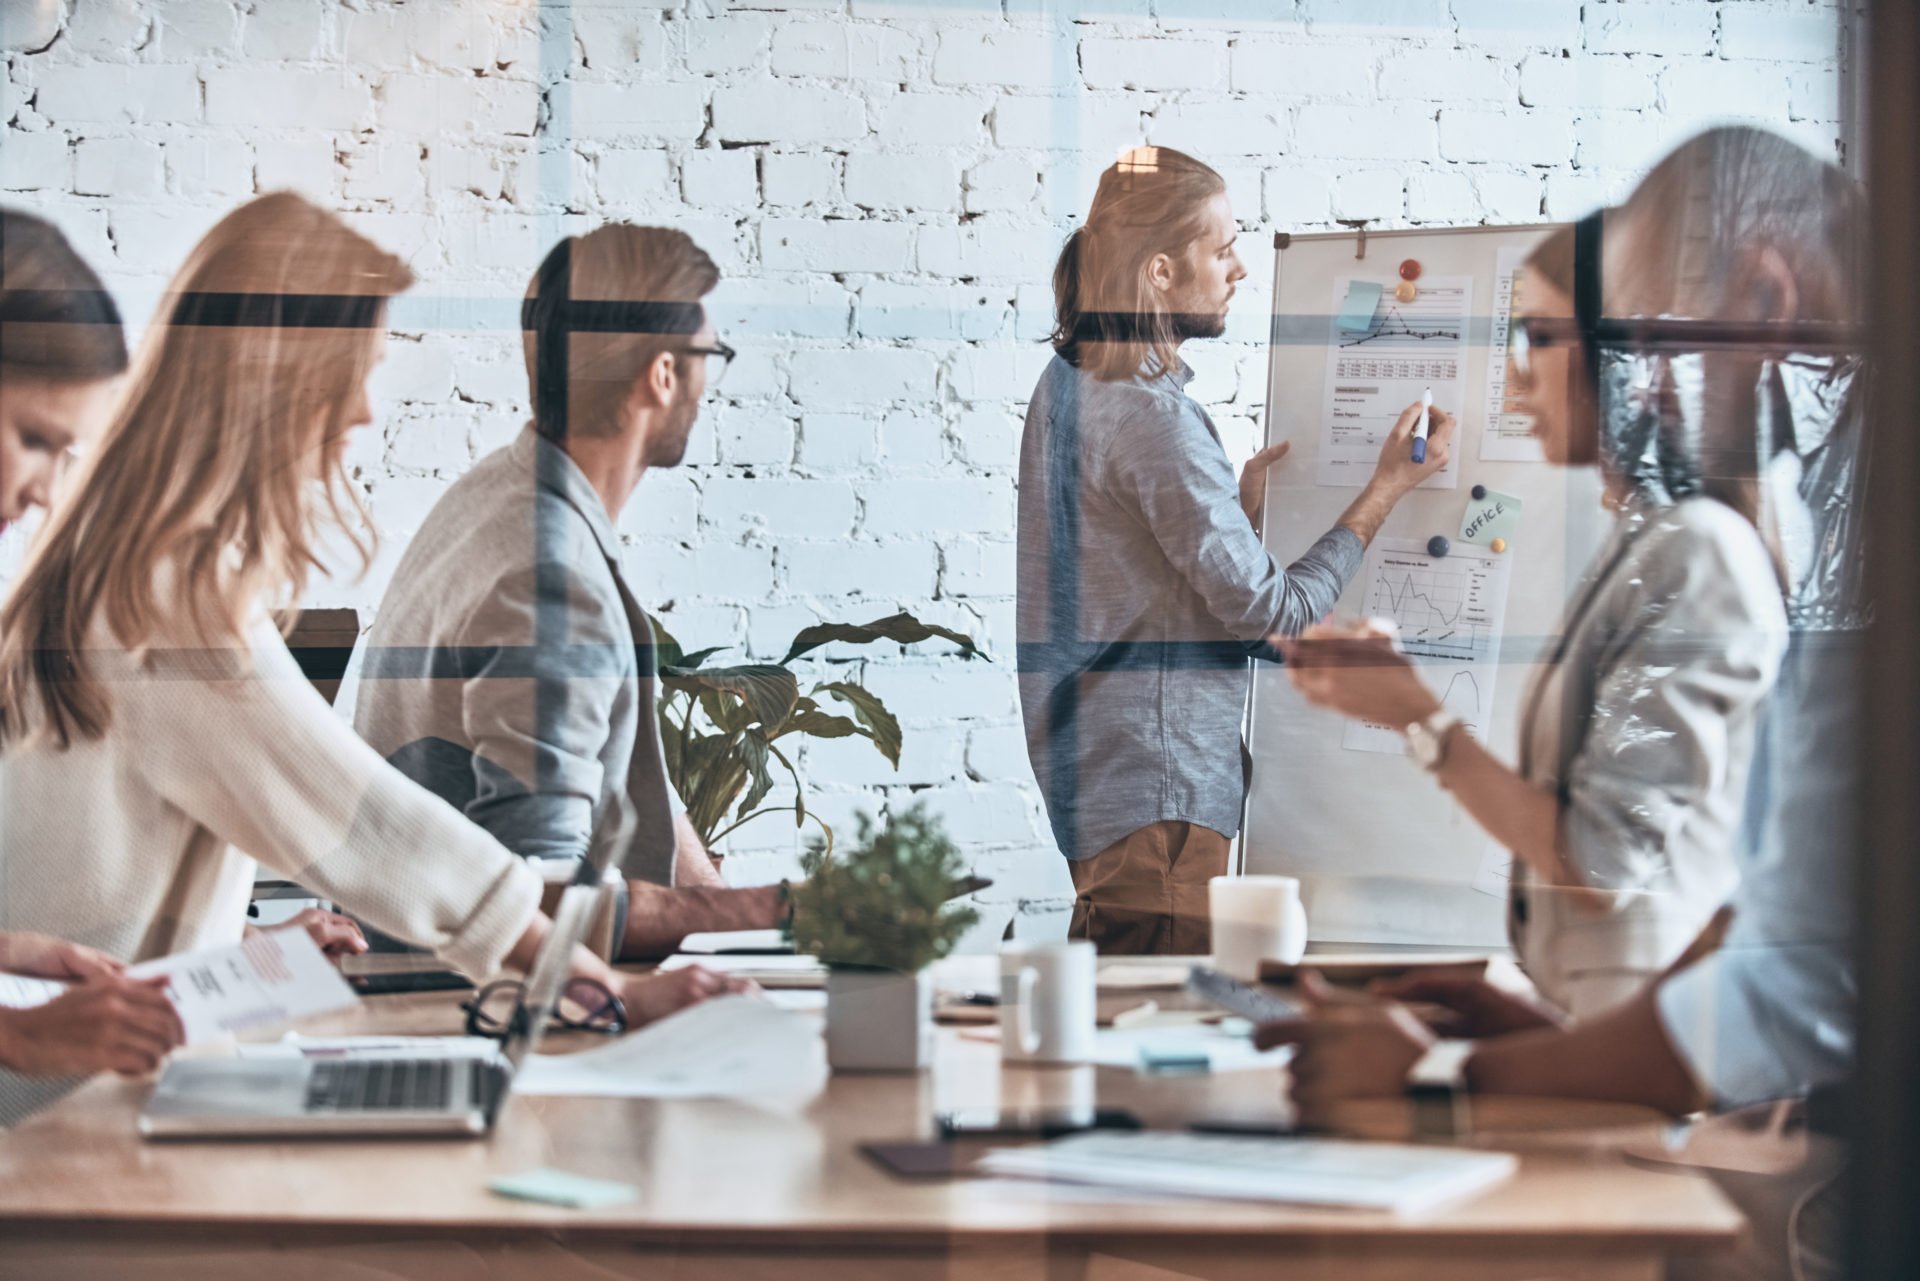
column 1375, row 372
column 1449, row 612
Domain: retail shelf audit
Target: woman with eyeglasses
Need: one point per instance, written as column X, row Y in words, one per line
column 1638, row 729
column 156, row 736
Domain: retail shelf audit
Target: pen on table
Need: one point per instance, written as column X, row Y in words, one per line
column 1420, row 428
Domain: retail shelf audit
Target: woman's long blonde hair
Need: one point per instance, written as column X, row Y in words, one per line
column 223, row 465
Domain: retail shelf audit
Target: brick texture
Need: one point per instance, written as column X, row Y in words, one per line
column 885, row 183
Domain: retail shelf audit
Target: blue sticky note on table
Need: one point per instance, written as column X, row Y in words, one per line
column 1356, row 313
column 1174, row 1058
column 557, row 1187
column 1495, row 516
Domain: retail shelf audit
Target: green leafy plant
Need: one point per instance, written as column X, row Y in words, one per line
column 884, row 902
column 722, row 727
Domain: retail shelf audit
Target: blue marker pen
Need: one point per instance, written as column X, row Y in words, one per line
column 1420, row 428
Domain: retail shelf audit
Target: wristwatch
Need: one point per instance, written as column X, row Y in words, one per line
column 1444, row 1064
column 1427, row 739
column 1437, row 1087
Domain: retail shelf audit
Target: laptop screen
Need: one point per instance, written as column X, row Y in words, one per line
column 547, row 978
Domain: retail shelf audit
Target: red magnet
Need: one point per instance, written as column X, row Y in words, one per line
column 1410, row 269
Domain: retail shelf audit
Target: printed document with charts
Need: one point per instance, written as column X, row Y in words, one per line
column 1324, row 1172
column 274, row 977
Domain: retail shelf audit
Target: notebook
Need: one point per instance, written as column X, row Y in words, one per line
column 1395, row 1177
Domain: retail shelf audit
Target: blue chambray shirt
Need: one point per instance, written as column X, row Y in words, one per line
column 1142, row 591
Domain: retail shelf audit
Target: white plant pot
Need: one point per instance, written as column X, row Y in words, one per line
column 879, row 1020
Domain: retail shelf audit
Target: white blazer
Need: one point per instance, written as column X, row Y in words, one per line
column 1642, row 723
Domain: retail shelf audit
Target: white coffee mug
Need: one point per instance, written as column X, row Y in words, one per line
column 1255, row 919
column 1047, row 999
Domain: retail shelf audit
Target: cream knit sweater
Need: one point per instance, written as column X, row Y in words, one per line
column 133, row 843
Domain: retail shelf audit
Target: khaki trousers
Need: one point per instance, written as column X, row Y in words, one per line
column 1146, row 894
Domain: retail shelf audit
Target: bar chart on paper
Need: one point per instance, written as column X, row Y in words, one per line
column 1450, row 612
column 1376, row 370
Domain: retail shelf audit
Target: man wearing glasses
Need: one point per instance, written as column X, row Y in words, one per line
column 510, row 668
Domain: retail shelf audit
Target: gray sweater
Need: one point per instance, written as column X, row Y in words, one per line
column 1143, row 590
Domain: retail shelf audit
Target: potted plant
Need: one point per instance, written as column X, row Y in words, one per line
column 721, row 727
column 878, row 914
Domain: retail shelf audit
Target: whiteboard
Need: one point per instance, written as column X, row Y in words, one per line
column 1384, row 854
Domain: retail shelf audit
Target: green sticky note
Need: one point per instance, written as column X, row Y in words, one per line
column 557, row 1187
column 1495, row 516
column 1356, row 313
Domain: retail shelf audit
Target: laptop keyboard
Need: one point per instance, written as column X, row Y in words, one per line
column 381, row 1085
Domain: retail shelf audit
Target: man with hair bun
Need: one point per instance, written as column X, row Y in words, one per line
column 1143, row 583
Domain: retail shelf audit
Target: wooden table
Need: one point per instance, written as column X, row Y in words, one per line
column 740, row 1191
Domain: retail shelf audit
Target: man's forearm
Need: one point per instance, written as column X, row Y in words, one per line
column 1369, row 511
column 1621, row 1056
column 658, row 918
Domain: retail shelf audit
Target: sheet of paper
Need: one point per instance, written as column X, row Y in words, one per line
column 19, row 992
column 1375, row 372
column 1505, row 437
column 1495, row 877
column 1451, row 612
column 1128, row 977
column 274, row 977
column 729, row 1047
column 768, row 971
column 736, row 941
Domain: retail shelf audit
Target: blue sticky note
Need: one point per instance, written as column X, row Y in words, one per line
column 1174, row 1058
column 1356, row 313
column 557, row 1187
column 1495, row 516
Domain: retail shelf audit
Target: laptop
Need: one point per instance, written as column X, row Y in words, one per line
column 421, row 1093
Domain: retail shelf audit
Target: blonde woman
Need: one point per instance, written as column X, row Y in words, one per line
column 156, row 737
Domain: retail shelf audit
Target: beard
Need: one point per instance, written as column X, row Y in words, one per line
column 1198, row 324
column 668, row 446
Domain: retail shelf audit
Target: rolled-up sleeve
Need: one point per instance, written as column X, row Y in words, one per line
column 1166, row 463
column 1772, row 1013
column 547, row 655
column 252, row 753
column 1701, row 642
column 1757, row 1022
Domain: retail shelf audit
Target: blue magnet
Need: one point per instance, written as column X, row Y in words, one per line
column 1479, row 492
column 1438, row 546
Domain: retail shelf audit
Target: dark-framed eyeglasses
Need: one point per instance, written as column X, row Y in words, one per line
column 585, row 1005
column 1533, row 334
column 719, row 350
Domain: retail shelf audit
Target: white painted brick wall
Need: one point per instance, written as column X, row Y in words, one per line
column 885, row 183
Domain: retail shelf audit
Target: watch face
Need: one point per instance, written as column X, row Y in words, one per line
column 1421, row 744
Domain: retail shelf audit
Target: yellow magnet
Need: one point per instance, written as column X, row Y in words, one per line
column 1498, row 544
column 1406, row 291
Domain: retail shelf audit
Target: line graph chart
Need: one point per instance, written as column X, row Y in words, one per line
column 1437, row 315
column 1449, row 613
column 1439, row 605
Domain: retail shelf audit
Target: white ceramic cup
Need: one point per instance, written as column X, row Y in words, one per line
column 1047, row 999
column 1255, row 919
